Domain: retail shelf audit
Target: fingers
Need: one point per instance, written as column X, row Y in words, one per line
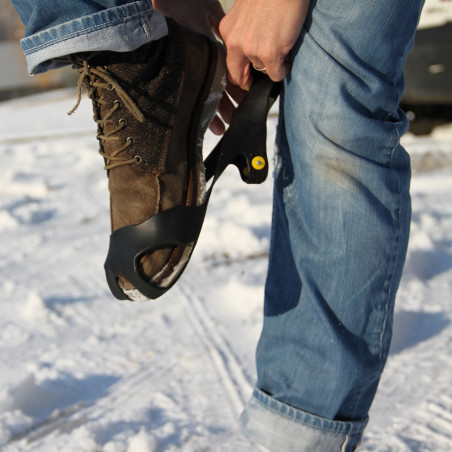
column 235, row 92
column 260, row 53
column 259, row 68
column 262, row 32
column 239, row 69
column 217, row 126
column 276, row 70
column 232, row 96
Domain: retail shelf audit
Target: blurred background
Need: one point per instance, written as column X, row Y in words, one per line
column 428, row 69
column 427, row 99
column 14, row 78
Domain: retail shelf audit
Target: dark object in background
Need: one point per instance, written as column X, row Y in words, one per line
column 428, row 70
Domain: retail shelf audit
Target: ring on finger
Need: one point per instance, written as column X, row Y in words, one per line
column 259, row 69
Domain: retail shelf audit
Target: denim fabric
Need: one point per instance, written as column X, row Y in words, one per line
column 340, row 226
column 56, row 29
column 282, row 428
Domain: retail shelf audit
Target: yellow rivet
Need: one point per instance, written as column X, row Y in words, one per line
column 258, row 163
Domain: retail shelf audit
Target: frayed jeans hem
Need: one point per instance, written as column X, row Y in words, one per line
column 120, row 29
column 283, row 428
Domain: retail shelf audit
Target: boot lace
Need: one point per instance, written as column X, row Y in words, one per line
column 102, row 80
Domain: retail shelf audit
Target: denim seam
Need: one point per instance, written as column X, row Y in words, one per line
column 304, row 423
column 390, row 275
column 290, row 418
column 85, row 31
column 390, row 278
column 141, row 20
column 397, row 134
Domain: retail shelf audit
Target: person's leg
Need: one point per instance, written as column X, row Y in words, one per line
column 56, row 29
column 340, row 227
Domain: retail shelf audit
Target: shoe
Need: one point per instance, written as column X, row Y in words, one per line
column 152, row 107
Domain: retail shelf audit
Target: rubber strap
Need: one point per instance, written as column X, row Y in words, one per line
column 243, row 143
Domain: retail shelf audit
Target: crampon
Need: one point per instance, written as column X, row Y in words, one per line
column 243, row 145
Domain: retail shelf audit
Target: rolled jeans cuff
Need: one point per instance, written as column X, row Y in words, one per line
column 282, row 428
column 119, row 29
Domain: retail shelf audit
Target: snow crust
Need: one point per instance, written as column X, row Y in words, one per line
column 81, row 371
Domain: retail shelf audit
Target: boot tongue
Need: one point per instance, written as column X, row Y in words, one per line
column 130, row 66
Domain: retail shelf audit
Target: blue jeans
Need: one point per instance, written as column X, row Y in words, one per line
column 341, row 205
column 340, row 229
column 56, row 29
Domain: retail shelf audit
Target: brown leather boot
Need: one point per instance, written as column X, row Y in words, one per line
column 152, row 107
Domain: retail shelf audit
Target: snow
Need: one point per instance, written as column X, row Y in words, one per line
column 81, row 371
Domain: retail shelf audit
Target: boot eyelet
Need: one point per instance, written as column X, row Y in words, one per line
column 110, row 87
column 118, row 103
column 138, row 160
column 123, row 122
column 130, row 140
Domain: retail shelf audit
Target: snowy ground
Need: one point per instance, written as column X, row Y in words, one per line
column 81, row 371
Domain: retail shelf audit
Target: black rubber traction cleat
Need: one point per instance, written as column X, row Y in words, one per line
column 244, row 145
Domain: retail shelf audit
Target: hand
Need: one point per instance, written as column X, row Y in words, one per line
column 261, row 32
column 203, row 16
